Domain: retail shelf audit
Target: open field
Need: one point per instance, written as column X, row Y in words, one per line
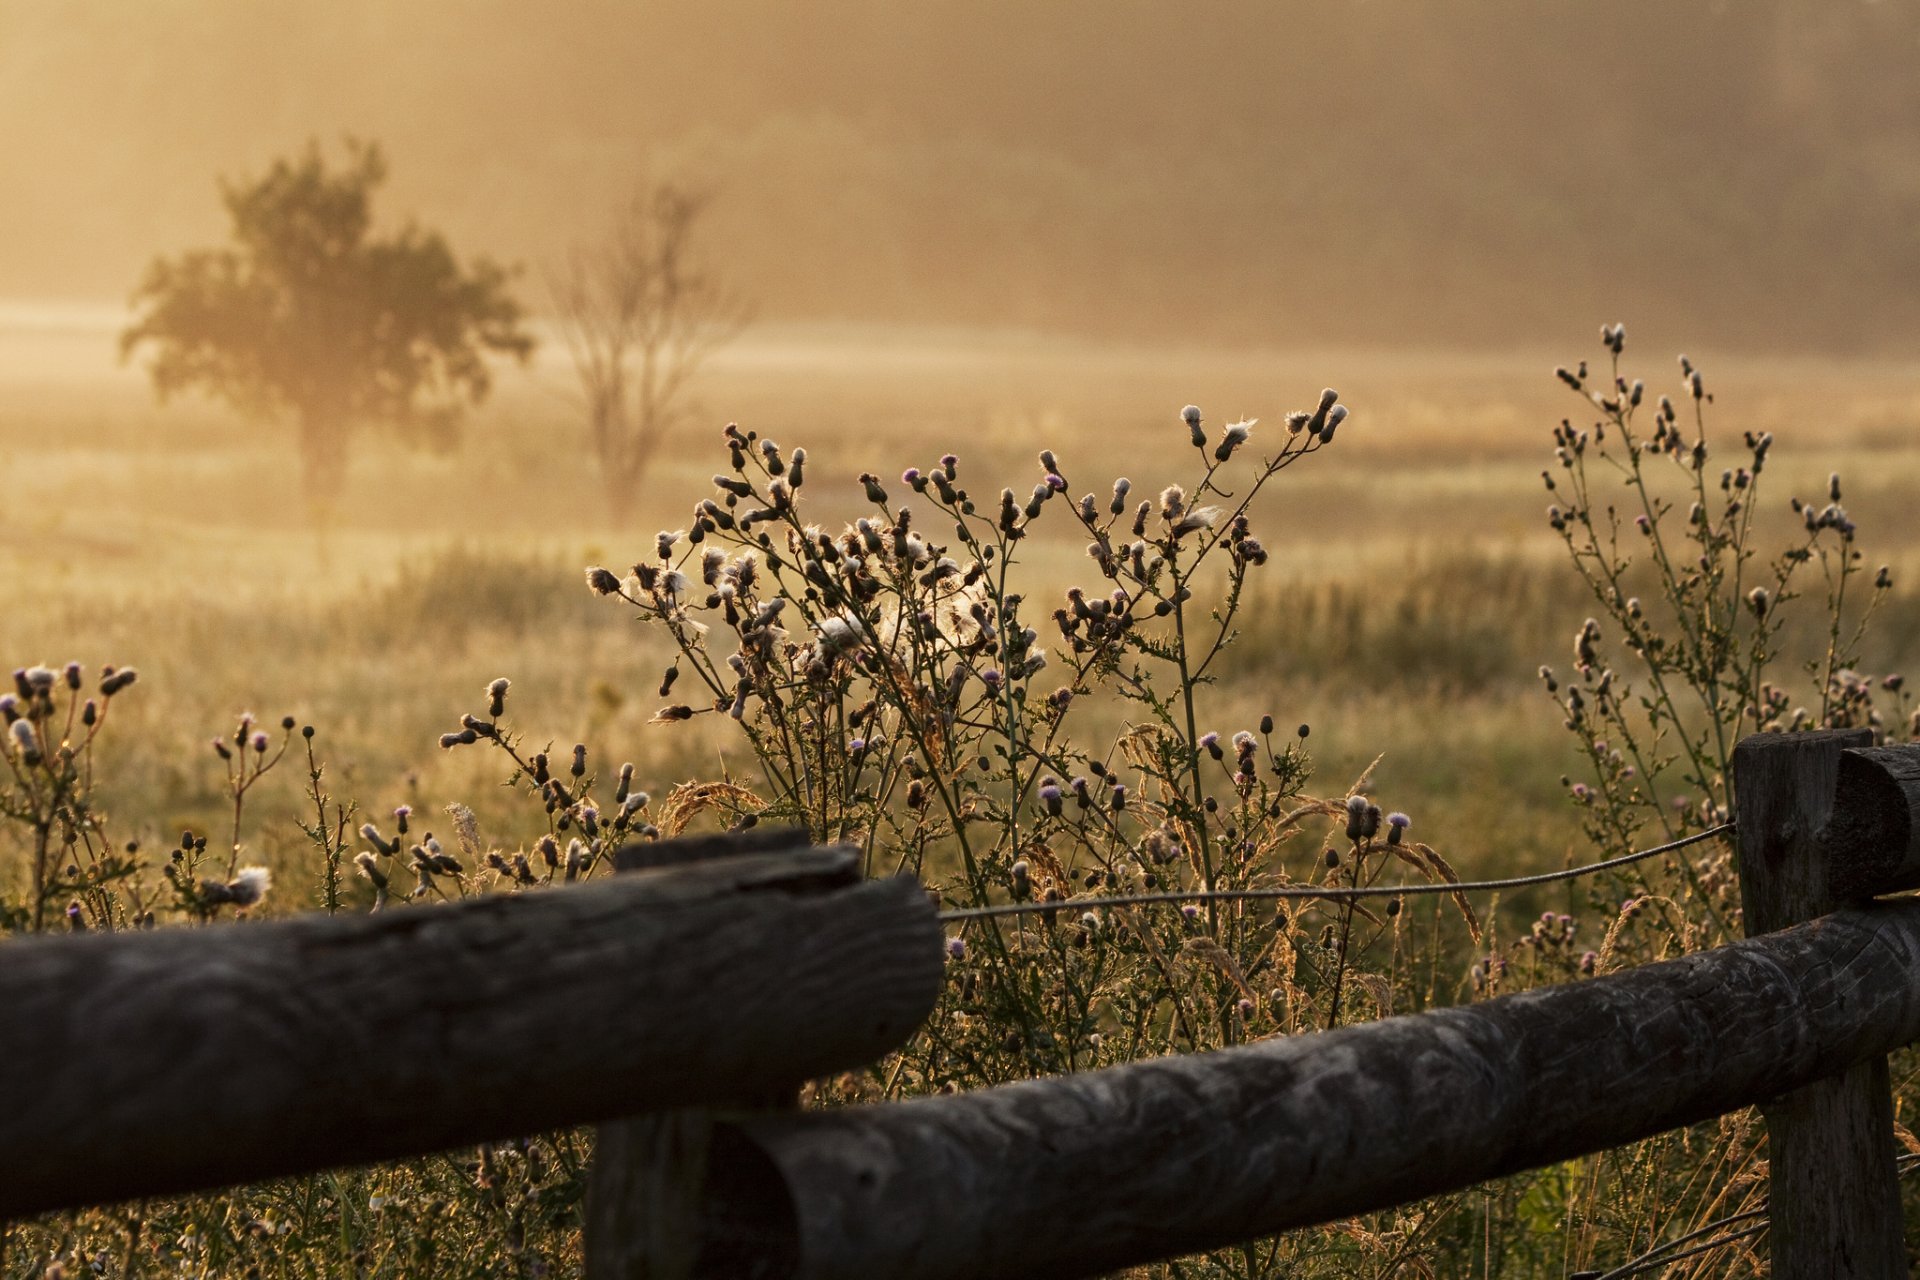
column 1413, row 592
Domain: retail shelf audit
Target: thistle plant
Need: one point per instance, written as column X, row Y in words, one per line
column 899, row 687
column 1668, row 543
column 52, row 725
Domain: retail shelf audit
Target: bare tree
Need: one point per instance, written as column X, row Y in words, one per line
column 641, row 314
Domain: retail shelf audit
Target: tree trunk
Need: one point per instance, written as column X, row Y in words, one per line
column 323, row 458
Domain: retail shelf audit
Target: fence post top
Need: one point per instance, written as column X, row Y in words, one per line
column 1755, row 743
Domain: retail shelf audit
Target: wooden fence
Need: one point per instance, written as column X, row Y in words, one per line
column 680, row 1007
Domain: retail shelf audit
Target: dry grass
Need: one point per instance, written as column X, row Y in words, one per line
column 1413, row 592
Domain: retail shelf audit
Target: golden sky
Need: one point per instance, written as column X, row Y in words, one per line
column 1287, row 171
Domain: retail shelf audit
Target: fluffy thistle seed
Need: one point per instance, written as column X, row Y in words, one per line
column 1232, row 438
column 602, row 580
column 1356, row 817
column 1335, row 417
column 1318, row 422
column 370, row 868
column 250, row 886
column 1191, row 416
column 25, row 741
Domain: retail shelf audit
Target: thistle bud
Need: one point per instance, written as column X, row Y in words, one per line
column 25, row 741
column 1318, row 422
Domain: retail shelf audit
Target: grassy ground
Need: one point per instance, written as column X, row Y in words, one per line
column 1413, row 591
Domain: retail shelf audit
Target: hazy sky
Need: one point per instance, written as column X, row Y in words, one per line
column 1275, row 172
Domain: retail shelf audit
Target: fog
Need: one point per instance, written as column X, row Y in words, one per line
column 1467, row 173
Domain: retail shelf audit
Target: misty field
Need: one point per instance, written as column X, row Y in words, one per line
column 1406, row 591
column 1414, row 587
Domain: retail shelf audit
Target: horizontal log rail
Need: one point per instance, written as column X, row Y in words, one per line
column 681, row 1005
column 1083, row 1174
column 152, row 1063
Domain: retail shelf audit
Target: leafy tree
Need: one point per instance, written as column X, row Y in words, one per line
column 641, row 313
column 306, row 315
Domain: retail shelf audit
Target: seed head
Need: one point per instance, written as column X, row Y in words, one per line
column 25, row 741
column 370, row 868
column 1356, row 817
column 1051, row 798
column 1335, row 417
column 250, row 886
column 1318, row 421
column 1191, row 416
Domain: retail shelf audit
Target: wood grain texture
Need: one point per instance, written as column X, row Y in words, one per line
column 643, row 1219
column 1090, row 1173
column 1833, row 1186
column 1872, row 843
column 145, row 1064
column 1784, row 786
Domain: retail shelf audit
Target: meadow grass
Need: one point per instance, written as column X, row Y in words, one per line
column 1413, row 592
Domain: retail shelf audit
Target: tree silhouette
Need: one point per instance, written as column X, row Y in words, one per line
column 640, row 314
column 306, row 315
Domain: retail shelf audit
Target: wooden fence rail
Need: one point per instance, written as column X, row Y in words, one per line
column 703, row 991
column 1081, row 1175
column 149, row 1063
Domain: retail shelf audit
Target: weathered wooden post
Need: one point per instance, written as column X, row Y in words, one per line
column 645, row 1215
column 1807, row 846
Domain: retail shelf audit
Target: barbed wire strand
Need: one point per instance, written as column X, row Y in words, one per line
column 1333, row 893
